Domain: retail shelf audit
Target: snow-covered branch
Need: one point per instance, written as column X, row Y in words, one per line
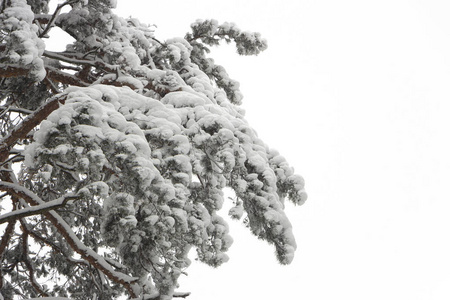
column 30, row 122
column 181, row 294
column 35, row 210
column 16, row 110
column 128, row 122
column 66, row 58
column 49, row 298
column 97, row 261
column 175, row 295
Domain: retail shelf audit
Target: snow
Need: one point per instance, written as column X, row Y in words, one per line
column 22, row 43
column 81, row 248
column 31, row 209
column 48, row 298
column 236, row 212
column 129, row 58
column 182, row 99
column 139, row 146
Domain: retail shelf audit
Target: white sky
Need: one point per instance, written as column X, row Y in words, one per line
column 355, row 94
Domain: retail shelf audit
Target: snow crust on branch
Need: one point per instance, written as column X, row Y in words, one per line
column 146, row 135
column 153, row 149
column 22, row 47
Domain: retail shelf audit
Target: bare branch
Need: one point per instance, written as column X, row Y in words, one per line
column 52, row 20
column 15, row 158
column 6, row 236
column 65, row 78
column 16, row 110
column 12, row 70
column 51, row 85
column 42, row 18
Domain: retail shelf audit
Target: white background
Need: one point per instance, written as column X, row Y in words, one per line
column 355, row 94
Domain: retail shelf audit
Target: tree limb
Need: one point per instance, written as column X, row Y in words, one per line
column 64, row 78
column 56, row 248
column 98, row 64
column 26, row 260
column 16, row 109
column 97, row 261
column 12, row 70
column 181, row 294
column 28, row 124
column 175, row 295
column 49, row 298
column 36, row 210
column 6, row 236
column 52, row 20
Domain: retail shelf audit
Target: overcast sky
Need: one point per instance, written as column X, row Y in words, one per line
column 355, row 94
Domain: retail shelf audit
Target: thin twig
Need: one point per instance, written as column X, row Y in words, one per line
column 10, row 159
column 17, row 110
column 53, row 18
column 26, row 260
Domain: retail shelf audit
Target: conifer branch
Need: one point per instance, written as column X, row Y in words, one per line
column 66, row 58
column 30, row 122
column 132, row 152
column 7, row 70
column 55, row 248
column 65, row 78
column 52, row 20
column 6, row 236
column 37, row 209
column 28, row 264
column 16, row 109
column 128, row 282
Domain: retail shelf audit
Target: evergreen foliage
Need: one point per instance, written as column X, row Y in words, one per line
column 125, row 145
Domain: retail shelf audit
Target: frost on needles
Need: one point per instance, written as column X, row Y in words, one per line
column 125, row 144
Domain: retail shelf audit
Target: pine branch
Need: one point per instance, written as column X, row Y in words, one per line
column 181, row 294
column 16, row 110
column 56, row 248
column 51, row 85
column 64, row 78
column 36, row 210
column 66, row 58
column 13, row 159
column 43, row 18
column 52, row 20
column 97, row 261
column 49, row 298
column 28, row 124
column 7, row 236
column 175, row 295
column 7, row 70
column 26, row 260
